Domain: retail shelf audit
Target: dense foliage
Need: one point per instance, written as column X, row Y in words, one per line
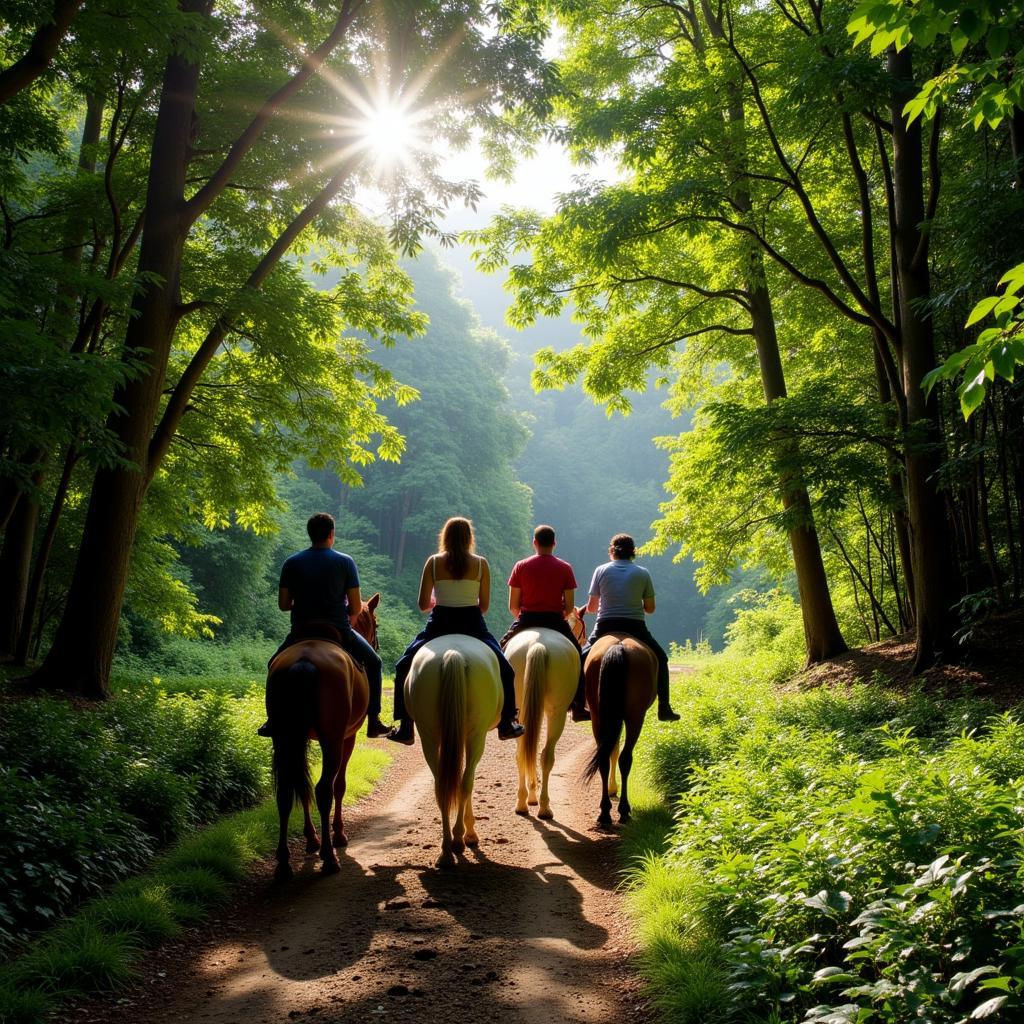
column 88, row 795
column 793, row 256
column 836, row 856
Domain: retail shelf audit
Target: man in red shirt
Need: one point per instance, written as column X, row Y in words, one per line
column 540, row 593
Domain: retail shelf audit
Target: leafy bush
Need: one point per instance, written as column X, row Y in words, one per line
column 88, row 795
column 836, row 857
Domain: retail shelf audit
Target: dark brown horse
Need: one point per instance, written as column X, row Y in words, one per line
column 315, row 690
column 621, row 677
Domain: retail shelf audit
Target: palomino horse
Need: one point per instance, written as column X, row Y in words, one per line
column 453, row 693
column 547, row 668
column 315, row 689
column 622, row 679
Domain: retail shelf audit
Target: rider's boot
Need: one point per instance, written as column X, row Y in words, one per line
column 375, row 728
column 578, row 707
column 665, row 712
column 509, row 728
column 404, row 732
column 266, row 729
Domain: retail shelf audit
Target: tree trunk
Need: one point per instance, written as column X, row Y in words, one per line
column 21, row 533
column 935, row 586
column 15, row 564
column 42, row 559
column 822, row 635
column 821, row 630
column 83, row 649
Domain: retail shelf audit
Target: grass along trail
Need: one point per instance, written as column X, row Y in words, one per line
column 528, row 927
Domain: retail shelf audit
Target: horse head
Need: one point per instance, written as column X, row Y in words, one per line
column 365, row 623
column 577, row 625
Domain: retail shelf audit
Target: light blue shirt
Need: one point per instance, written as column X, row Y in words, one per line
column 621, row 586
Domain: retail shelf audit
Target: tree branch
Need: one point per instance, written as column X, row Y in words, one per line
column 934, row 185
column 733, row 294
column 311, row 64
column 874, row 314
column 41, row 51
column 178, row 402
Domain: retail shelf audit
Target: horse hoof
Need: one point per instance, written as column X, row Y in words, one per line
column 458, row 845
column 523, row 812
column 625, row 817
column 282, row 873
column 604, row 819
column 547, row 814
column 533, row 801
column 340, row 839
column 313, row 845
column 444, row 862
column 472, row 839
column 330, row 867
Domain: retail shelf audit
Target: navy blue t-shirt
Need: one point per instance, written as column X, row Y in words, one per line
column 318, row 579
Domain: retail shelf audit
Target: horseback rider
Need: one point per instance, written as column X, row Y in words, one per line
column 540, row 594
column 455, row 587
column 621, row 593
column 321, row 585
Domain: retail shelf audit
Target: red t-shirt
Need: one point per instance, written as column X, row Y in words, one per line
column 542, row 580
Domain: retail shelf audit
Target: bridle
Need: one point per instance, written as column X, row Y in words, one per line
column 578, row 626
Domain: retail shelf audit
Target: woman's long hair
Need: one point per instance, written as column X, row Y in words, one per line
column 455, row 542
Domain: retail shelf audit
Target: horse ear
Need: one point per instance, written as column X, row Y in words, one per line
column 373, row 602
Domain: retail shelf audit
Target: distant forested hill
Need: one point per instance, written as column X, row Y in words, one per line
column 591, row 476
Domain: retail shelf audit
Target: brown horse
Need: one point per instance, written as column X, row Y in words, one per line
column 621, row 676
column 316, row 690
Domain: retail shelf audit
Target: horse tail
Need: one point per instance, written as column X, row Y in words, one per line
column 611, row 707
column 293, row 698
column 451, row 756
column 533, row 699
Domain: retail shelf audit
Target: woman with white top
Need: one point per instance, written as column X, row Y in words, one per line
column 622, row 594
column 455, row 589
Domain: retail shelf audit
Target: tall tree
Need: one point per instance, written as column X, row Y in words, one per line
column 191, row 209
column 634, row 244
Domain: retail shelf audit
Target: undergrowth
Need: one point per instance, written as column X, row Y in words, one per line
column 100, row 947
column 829, row 856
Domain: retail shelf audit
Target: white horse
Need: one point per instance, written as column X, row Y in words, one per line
column 453, row 692
column 547, row 669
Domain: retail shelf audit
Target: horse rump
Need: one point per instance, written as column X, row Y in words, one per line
column 611, row 707
column 292, row 701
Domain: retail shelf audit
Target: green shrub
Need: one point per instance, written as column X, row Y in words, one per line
column 197, row 887
column 88, row 795
column 142, row 911
column 79, row 958
column 21, row 1005
column 838, row 856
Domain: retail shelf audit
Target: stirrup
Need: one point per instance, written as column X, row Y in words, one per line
column 402, row 733
column 510, row 730
column 579, row 712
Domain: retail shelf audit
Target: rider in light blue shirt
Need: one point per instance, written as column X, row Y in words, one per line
column 622, row 594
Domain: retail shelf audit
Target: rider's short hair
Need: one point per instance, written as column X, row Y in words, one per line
column 623, row 546
column 320, row 526
column 544, row 536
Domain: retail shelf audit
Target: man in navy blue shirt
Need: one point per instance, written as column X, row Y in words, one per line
column 322, row 585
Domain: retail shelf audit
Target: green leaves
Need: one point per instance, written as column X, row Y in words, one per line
column 997, row 352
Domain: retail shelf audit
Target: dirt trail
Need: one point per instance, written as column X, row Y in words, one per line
column 528, row 928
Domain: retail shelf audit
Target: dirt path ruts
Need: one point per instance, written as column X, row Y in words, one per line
column 528, row 928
